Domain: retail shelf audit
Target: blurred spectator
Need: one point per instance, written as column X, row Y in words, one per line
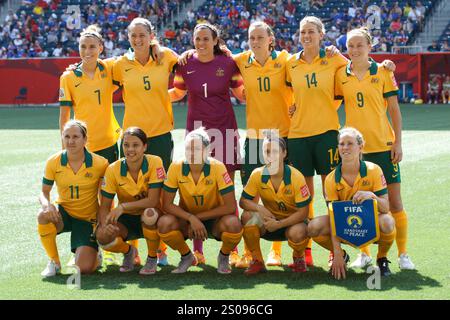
column 434, row 47
column 446, row 90
column 445, row 46
column 433, row 90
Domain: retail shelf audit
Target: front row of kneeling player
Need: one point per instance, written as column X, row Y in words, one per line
column 206, row 206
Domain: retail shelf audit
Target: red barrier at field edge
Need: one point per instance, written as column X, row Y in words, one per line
column 36, row 81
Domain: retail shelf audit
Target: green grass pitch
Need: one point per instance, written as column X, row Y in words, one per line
column 29, row 135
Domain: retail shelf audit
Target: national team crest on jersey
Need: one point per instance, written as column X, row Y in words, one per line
column 103, row 75
column 375, row 80
column 324, row 63
column 160, row 173
column 220, row 72
column 88, row 175
column 277, row 65
column 61, row 93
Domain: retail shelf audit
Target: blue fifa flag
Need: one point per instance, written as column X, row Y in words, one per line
column 355, row 224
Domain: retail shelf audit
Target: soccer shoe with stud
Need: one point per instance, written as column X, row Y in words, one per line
column 383, row 264
column 273, row 259
column 234, row 258
column 186, row 262
column 199, row 258
column 128, row 263
column 162, row 259
column 405, row 263
column 299, row 265
column 150, row 267
column 51, row 270
column 362, row 261
column 244, row 262
column 223, row 264
column 255, row 267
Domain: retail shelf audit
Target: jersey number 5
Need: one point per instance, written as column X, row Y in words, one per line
column 147, row 85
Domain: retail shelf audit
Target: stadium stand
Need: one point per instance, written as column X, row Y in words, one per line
column 45, row 28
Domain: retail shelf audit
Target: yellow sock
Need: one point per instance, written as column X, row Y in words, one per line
column 310, row 217
column 401, row 224
column 276, row 247
column 47, row 234
column 118, row 246
column 175, row 240
column 152, row 239
column 365, row 250
column 299, row 247
column 229, row 241
column 324, row 241
column 162, row 246
column 252, row 237
column 385, row 243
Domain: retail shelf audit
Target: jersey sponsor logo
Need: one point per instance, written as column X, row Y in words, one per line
column 220, row 72
column 226, row 178
column 181, row 181
column 344, row 82
column 246, row 67
column 61, row 93
column 305, row 191
column 126, row 70
column 293, row 67
column 122, row 184
column 160, row 173
column 375, row 80
column 383, row 179
column 190, row 72
column 77, row 85
column 58, row 172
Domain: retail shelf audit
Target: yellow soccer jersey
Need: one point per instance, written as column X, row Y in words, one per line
column 77, row 193
column 292, row 194
column 92, row 102
column 206, row 194
column 313, row 86
column 268, row 97
column 366, row 105
column 145, row 92
column 119, row 181
column 370, row 178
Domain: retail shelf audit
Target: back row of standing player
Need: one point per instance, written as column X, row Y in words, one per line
column 311, row 133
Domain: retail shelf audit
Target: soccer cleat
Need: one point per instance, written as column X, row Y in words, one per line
column 162, row 259
column 71, row 262
column 185, row 263
column 255, row 267
column 362, row 261
column 110, row 259
column 244, row 262
column 150, row 267
column 51, row 270
column 200, row 258
column 129, row 260
column 383, row 264
column 223, row 264
column 234, row 258
column 308, row 258
column 273, row 259
column 299, row 265
column 405, row 263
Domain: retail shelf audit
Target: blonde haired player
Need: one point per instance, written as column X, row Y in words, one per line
column 312, row 141
column 356, row 180
column 206, row 207
column 136, row 179
column 283, row 215
column 77, row 174
column 369, row 92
